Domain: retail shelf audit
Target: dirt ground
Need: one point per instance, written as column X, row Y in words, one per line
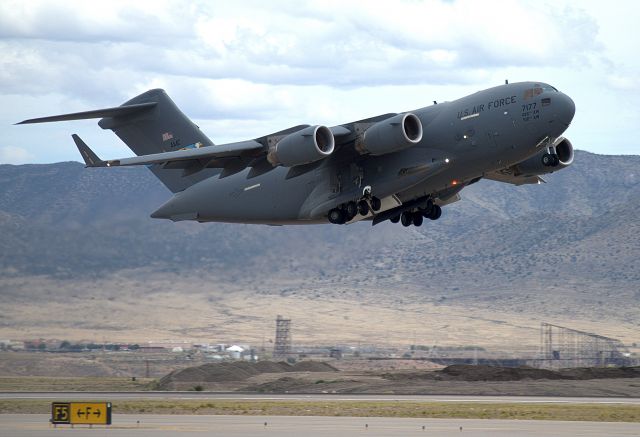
column 198, row 309
column 458, row 379
column 114, row 371
column 92, row 364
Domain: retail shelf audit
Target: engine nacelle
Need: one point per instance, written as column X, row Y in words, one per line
column 543, row 162
column 391, row 135
column 303, row 147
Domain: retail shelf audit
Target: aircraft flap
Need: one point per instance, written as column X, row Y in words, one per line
column 210, row 152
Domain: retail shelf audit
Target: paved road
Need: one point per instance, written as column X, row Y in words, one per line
column 35, row 425
column 111, row 396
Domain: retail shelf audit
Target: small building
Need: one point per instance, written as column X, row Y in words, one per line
column 235, row 351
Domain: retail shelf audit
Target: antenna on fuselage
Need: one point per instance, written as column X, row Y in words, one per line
column 506, row 81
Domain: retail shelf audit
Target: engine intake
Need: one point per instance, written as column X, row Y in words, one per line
column 391, row 135
column 303, row 147
column 545, row 162
column 564, row 150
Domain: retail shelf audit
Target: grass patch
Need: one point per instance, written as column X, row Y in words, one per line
column 44, row 383
column 573, row 412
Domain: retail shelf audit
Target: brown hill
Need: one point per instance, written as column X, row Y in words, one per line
column 234, row 371
column 461, row 372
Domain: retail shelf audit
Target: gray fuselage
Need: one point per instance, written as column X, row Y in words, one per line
column 484, row 132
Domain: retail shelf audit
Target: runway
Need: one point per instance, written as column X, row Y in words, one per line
column 190, row 395
column 36, row 425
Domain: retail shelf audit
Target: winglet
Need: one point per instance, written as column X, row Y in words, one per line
column 89, row 156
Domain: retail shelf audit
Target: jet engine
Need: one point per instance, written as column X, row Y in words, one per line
column 391, row 135
column 558, row 156
column 303, row 147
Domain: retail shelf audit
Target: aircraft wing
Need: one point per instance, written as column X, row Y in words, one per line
column 231, row 157
column 211, row 152
column 508, row 176
column 191, row 160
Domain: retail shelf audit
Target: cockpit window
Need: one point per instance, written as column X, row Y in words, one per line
column 532, row 92
column 537, row 90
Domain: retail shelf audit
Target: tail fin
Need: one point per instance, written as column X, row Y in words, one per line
column 162, row 128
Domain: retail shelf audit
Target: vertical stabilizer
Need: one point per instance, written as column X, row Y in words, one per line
column 163, row 128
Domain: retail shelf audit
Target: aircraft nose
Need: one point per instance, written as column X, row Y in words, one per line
column 566, row 109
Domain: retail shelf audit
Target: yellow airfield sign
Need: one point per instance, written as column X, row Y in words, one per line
column 88, row 413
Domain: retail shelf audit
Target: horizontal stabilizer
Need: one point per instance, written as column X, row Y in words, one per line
column 89, row 156
column 98, row 113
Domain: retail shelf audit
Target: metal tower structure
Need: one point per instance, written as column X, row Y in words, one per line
column 282, row 346
column 565, row 347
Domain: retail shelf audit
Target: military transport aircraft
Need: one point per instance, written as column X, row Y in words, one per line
column 398, row 167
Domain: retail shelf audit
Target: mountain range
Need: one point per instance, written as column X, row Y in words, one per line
column 565, row 250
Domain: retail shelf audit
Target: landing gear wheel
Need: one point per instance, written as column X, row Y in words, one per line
column 426, row 209
column 417, row 219
column 363, row 207
column 336, row 216
column 406, row 219
column 436, row 212
column 395, row 219
column 429, row 204
column 351, row 210
column 547, row 160
column 376, row 204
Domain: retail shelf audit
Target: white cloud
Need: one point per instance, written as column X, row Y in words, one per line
column 14, row 155
column 352, row 44
column 273, row 64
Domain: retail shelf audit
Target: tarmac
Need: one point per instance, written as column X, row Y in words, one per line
column 36, row 425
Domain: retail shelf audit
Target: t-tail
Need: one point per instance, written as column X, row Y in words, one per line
column 148, row 124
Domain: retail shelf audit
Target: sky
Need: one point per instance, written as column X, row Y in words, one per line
column 244, row 69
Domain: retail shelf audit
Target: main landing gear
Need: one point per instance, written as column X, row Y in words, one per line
column 348, row 211
column 416, row 217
